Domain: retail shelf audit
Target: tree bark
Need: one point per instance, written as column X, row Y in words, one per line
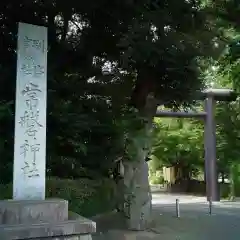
column 137, row 194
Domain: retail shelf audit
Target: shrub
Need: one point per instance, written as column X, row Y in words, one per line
column 86, row 197
column 157, row 180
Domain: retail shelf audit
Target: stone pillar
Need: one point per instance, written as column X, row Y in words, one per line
column 29, row 215
column 30, row 115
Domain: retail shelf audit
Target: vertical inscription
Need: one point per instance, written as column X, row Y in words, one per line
column 30, row 117
column 29, row 121
column 30, row 66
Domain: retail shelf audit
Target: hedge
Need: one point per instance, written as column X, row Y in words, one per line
column 86, row 197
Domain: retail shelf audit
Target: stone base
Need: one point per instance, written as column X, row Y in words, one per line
column 33, row 211
column 42, row 220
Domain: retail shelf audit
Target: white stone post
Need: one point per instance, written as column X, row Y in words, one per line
column 30, row 115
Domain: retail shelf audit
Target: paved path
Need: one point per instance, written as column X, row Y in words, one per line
column 194, row 223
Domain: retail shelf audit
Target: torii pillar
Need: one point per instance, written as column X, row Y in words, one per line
column 211, row 171
column 210, row 96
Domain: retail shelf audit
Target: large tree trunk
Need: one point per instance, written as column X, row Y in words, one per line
column 137, row 194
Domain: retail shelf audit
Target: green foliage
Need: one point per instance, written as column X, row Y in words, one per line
column 86, row 197
column 102, row 62
column 6, row 141
column 226, row 75
column 178, row 143
column 156, row 180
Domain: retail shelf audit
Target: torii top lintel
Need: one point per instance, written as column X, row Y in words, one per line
column 218, row 94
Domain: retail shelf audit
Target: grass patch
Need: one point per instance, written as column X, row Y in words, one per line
column 86, row 197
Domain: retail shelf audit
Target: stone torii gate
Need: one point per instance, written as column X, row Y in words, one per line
column 210, row 96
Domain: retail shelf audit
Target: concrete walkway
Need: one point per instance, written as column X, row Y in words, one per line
column 194, row 223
